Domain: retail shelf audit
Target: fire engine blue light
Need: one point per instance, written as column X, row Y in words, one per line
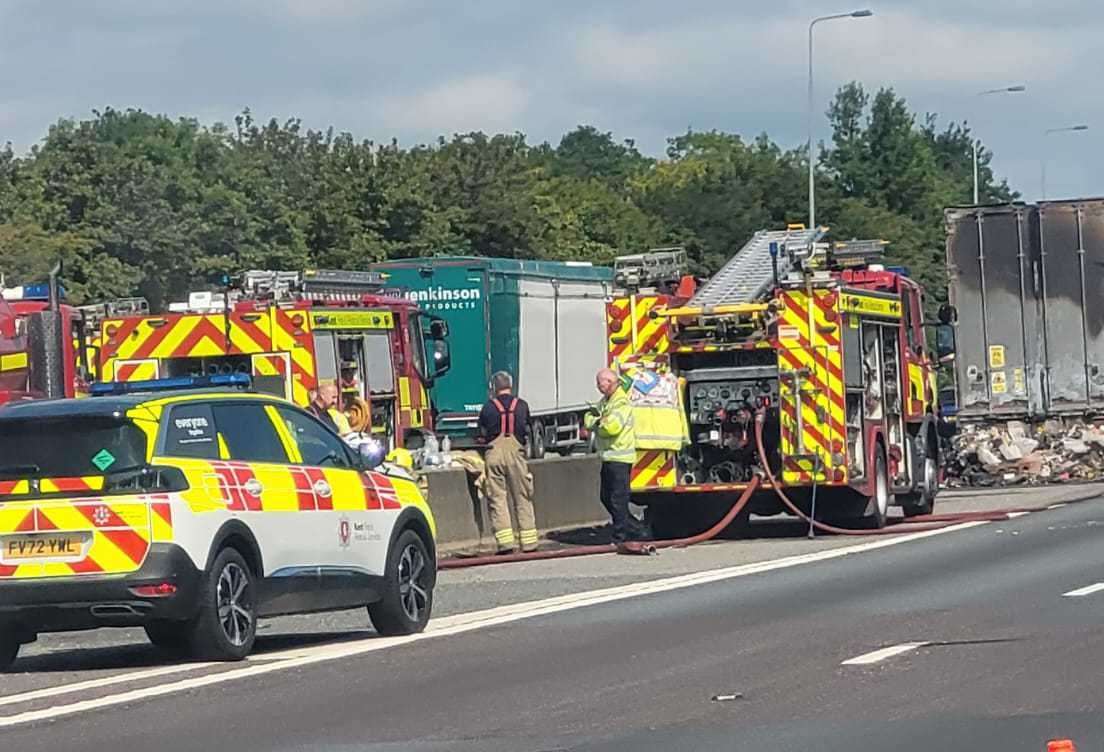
column 902, row 270
column 229, row 380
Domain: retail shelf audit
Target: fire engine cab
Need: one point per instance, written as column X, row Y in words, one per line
column 801, row 362
column 292, row 331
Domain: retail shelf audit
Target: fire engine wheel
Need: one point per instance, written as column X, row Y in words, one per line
column 922, row 501
column 9, row 650
column 877, row 508
column 536, row 440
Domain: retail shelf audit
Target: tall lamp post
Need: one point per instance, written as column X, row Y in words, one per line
column 1048, row 132
column 1005, row 90
column 812, row 162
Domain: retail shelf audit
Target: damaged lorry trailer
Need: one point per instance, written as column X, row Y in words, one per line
column 1027, row 285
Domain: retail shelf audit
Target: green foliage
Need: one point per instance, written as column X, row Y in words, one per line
column 135, row 203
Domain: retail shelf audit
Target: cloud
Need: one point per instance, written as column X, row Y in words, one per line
column 480, row 102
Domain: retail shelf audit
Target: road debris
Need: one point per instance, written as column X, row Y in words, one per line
column 1019, row 453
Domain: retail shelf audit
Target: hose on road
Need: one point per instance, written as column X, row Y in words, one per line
column 911, row 525
column 608, row 548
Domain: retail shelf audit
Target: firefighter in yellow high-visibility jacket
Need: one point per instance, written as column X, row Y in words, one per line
column 613, row 423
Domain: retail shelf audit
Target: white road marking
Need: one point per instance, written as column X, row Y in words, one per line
column 877, row 656
column 107, row 681
column 1087, row 590
column 1014, row 515
column 468, row 622
column 1059, row 505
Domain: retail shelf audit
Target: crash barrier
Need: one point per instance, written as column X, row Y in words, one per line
column 565, row 497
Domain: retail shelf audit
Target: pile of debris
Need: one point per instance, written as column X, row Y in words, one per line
column 1016, row 453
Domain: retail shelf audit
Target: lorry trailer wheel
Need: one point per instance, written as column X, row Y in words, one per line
column 536, row 440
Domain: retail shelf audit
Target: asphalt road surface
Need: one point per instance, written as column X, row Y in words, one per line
column 986, row 637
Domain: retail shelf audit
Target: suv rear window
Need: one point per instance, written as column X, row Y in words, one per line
column 70, row 447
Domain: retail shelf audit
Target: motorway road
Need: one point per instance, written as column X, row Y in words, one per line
column 987, row 637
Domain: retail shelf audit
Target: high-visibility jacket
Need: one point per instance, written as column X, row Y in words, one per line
column 614, row 426
column 660, row 422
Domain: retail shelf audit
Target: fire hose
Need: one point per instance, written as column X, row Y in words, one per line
column 608, row 548
column 913, row 525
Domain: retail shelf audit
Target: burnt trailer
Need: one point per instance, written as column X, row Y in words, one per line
column 1027, row 282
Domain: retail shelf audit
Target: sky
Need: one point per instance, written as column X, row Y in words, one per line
column 643, row 69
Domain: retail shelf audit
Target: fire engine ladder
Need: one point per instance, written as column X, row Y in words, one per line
column 748, row 275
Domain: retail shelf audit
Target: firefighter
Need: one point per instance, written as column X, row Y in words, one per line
column 323, row 405
column 503, row 423
column 613, row 423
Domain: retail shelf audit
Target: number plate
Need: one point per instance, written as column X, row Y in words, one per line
column 48, row 546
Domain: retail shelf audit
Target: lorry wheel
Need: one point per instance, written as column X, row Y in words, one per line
column 536, row 440
column 922, row 500
column 9, row 649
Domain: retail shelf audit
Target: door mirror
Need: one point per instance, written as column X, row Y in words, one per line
column 438, row 329
column 442, row 357
column 371, row 454
column 948, row 314
column 944, row 341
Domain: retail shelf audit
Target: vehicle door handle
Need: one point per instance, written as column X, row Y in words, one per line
column 322, row 488
column 254, row 487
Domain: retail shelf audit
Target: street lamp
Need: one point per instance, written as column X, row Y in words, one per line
column 1006, row 90
column 1047, row 132
column 812, row 162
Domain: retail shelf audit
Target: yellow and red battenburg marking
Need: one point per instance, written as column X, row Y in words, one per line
column 810, row 365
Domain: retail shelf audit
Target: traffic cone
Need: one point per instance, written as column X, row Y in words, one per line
column 1061, row 745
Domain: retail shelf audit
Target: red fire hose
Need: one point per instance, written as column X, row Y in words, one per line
column 915, row 524
column 609, row 548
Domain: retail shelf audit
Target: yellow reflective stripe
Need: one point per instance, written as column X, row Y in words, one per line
column 404, row 392
column 224, row 451
column 290, row 446
column 13, row 361
column 504, row 536
column 529, row 536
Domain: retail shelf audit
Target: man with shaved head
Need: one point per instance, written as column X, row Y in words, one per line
column 613, row 424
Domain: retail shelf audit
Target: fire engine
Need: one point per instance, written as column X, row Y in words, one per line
column 820, row 344
column 291, row 331
column 40, row 336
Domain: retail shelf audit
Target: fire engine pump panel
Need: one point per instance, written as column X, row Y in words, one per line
column 780, row 331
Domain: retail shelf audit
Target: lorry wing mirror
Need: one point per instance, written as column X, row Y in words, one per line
column 948, row 314
column 442, row 357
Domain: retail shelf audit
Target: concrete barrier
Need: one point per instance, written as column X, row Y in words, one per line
column 565, row 497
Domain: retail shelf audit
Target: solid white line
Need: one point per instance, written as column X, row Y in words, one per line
column 106, row 681
column 461, row 623
column 1087, row 590
column 880, row 655
column 1059, row 505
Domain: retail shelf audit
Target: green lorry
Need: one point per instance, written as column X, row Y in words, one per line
column 542, row 321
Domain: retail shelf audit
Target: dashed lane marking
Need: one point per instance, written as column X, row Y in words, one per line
column 877, row 656
column 1087, row 590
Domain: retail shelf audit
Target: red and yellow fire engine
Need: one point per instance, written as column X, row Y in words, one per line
column 291, row 331
column 820, row 346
